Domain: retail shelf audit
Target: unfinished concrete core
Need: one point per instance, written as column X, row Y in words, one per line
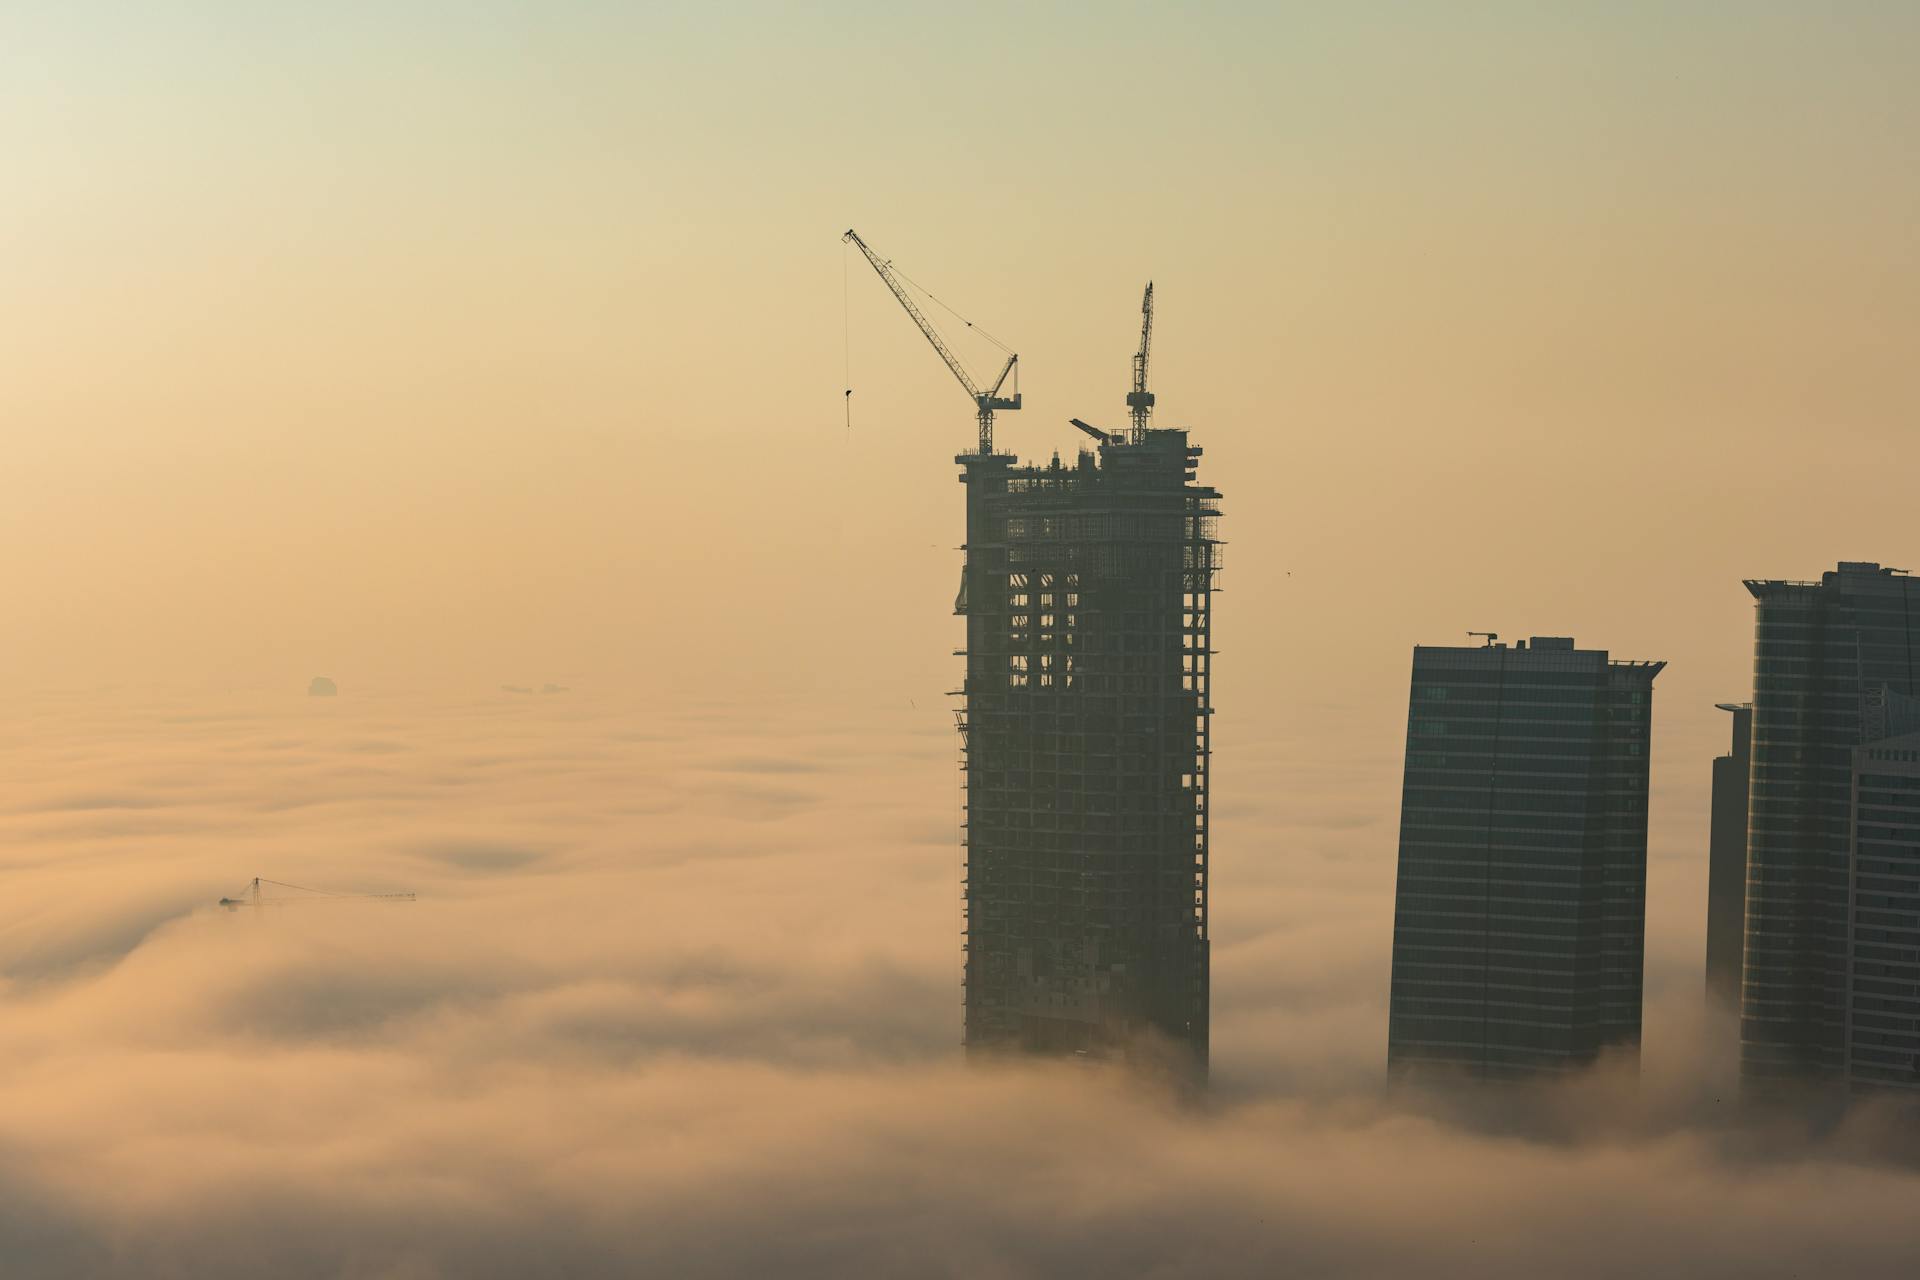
column 1084, row 749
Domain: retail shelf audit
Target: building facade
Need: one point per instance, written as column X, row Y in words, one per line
column 1883, row 904
column 1727, row 863
column 1826, row 655
column 1087, row 592
column 1520, row 906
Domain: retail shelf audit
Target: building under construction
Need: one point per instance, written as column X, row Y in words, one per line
column 1088, row 593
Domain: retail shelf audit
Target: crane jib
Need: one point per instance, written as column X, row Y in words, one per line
column 985, row 402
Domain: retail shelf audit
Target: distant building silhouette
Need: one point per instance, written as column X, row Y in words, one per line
column 1520, row 911
column 1832, row 660
column 1087, row 592
column 1727, row 863
column 1883, row 905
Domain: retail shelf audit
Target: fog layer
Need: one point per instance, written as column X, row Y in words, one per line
column 679, row 995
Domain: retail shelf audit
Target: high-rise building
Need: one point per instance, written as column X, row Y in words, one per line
column 1883, row 906
column 1727, row 862
column 1520, row 912
column 1087, row 593
column 1826, row 654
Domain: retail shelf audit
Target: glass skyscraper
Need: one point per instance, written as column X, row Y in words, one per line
column 1727, row 863
column 1883, row 902
column 1830, row 657
column 1520, row 910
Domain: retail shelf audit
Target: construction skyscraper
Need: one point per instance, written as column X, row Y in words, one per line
column 1087, row 593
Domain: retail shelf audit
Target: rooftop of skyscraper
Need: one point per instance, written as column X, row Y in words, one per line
column 1850, row 569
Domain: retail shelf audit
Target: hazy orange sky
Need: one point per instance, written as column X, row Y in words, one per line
column 429, row 339
column 441, row 346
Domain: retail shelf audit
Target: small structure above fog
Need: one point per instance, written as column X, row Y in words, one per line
column 322, row 687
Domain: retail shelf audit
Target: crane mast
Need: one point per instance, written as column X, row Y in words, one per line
column 1140, row 400
column 985, row 402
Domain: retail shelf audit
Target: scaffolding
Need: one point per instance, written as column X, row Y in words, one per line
column 1085, row 748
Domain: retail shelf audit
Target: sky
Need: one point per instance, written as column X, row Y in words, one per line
column 438, row 347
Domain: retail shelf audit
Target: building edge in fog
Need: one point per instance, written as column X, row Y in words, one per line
column 1727, row 863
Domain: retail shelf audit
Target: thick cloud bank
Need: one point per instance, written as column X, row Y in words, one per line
column 679, row 996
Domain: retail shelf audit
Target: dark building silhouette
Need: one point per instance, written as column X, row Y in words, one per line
column 1087, row 592
column 1520, row 911
column 1883, row 904
column 1727, row 862
column 1832, row 659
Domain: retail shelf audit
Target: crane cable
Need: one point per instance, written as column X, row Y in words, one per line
column 949, row 310
column 846, row 340
column 846, row 327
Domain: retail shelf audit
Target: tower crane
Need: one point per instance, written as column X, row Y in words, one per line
column 255, row 895
column 985, row 402
column 1140, row 400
